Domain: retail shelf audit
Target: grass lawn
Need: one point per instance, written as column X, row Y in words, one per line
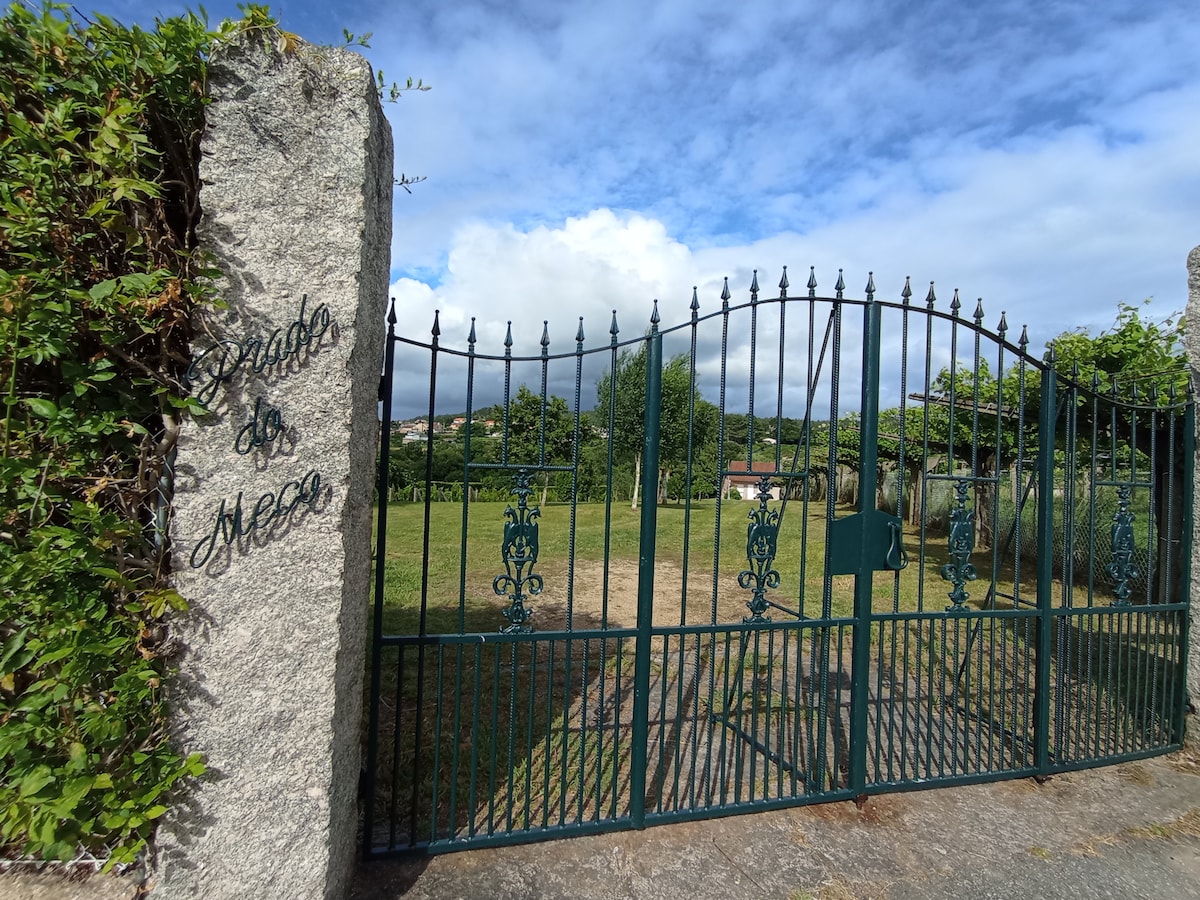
column 482, row 734
column 582, row 590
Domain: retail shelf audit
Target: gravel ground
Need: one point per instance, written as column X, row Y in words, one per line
column 1125, row 831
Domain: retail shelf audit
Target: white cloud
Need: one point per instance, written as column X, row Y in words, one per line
column 589, row 156
column 1055, row 231
column 730, row 124
column 587, row 267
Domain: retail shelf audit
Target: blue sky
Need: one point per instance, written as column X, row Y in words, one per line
column 585, row 156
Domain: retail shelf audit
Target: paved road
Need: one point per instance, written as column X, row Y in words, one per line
column 1128, row 831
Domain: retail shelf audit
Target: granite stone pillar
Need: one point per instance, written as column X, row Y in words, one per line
column 1192, row 336
column 273, row 485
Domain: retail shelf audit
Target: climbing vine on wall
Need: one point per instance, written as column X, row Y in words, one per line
column 99, row 132
column 100, row 129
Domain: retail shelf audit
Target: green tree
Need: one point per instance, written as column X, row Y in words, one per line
column 1139, row 362
column 621, row 401
column 1132, row 353
column 1135, row 357
column 540, row 433
column 477, row 430
column 621, row 407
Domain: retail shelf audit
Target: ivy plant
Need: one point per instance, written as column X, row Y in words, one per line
column 99, row 132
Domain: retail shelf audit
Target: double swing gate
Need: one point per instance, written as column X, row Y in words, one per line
column 880, row 546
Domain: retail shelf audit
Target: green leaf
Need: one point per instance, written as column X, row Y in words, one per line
column 103, row 290
column 35, row 781
column 15, row 642
column 88, row 368
column 78, row 754
column 60, row 850
column 42, row 407
column 74, row 791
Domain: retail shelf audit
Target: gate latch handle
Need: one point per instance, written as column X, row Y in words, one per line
column 897, row 557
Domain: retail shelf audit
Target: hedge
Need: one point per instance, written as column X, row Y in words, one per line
column 99, row 272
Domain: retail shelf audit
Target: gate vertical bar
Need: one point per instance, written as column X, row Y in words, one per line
column 863, row 580
column 645, row 607
column 1186, row 548
column 1047, row 422
column 381, row 487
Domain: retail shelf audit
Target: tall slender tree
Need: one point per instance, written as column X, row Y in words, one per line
column 624, row 399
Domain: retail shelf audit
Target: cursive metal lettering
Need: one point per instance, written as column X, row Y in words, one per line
column 264, row 426
column 221, row 362
column 230, row 525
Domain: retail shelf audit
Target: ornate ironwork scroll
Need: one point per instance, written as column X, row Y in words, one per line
column 762, row 537
column 519, row 550
column 962, row 541
column 1122, row 570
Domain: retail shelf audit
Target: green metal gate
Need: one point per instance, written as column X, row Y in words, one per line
column 953, row 564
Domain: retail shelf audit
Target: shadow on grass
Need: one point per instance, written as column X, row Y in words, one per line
column 483, row 734
column 486, row 735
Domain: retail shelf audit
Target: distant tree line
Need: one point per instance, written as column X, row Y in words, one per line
column 971, row 422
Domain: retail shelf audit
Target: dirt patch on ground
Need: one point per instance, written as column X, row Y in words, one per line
column 1187, row 760
column 54, row 885
column 608, row 595
column 875, row 810
column 838, row 887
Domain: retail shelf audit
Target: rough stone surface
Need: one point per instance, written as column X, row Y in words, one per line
column 1192, row 336
column 297, row 188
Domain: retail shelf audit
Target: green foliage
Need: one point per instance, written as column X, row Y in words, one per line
column 623, row 402
column 98, row 190
column 737, row 428
column 539, row 432
column 1134, row 354
column 1134, row 357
